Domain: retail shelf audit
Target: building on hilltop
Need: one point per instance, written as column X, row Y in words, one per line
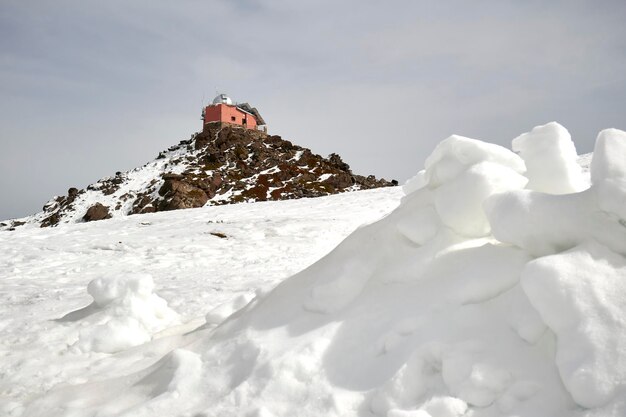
column 223, row 110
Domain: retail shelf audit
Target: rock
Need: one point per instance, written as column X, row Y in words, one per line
column 172, row 176
column 181, row 195
column 97, row 212
column 335, row 160
column 51, row 220
column 143, row 204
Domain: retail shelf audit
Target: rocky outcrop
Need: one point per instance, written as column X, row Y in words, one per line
column 97, row 212
column 178, row 194
column 221, row 165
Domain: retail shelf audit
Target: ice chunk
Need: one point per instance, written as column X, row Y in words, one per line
column 550, row 157
column 581, row 295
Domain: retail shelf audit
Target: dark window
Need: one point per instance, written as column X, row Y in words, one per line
column 233, row 119
column 243, row 120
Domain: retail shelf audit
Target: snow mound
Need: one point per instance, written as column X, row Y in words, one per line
column 478, row 296
column 581, row 296
column 127, row 313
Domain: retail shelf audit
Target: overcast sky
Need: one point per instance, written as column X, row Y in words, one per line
column 89, row 88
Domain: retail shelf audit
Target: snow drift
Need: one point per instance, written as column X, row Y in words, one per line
column 496, row 288
column 125, row 313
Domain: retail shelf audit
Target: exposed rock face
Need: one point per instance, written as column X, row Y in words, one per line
column 221, row 165
column 97, row 212
column 178, row 194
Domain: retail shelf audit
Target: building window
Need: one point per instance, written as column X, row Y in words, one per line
column 233, row 119
column 243, row 120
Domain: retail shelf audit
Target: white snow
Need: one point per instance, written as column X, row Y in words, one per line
column 497, row 287
column 550, row 157
column 581, row 295
column 608, row 172
column 125, row 312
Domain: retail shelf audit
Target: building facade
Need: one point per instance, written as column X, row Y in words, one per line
column 223, row 110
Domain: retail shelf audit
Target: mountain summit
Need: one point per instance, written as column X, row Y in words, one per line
column 223, row 164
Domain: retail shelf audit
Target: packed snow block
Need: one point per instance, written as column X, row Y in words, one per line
column 523, row 317
column 444, row 407
column 459, row 201
column 472, row 377
column 457, row 153
column 608, row 172
column 544, row 224
column 550, row 157
column 466, row 277
column 434, row 407
column 581, row 295
column 129, row 313
column 609, row 156
column 462, row 173
column 343, row 285
column 410, row 383
column 517, row 393
column 415, row 183
column 417, row 219
column 105, row 290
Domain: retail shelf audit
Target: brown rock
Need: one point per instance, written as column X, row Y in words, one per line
column 181, row 195
column 97, row 212
column 172, row 176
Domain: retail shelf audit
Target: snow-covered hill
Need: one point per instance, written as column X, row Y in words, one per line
column 495, row 288
column 222, row 164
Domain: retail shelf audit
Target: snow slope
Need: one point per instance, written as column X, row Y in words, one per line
column 44, row 277
column 479, row 295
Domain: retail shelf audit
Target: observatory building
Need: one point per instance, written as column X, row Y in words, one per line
column 223, row 110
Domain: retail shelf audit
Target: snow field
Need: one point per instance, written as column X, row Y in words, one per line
column 48, row 278
column 496, row 288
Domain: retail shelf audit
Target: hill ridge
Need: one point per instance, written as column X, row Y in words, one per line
column 221, row 165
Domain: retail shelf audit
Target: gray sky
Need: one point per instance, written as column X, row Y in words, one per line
column 89, row 88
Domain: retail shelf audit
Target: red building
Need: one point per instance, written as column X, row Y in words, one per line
column 222, row 110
